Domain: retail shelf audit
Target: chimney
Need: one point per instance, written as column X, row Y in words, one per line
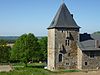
column 96, row 43
column 72, row 15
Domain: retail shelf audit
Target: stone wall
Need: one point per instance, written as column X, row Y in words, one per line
column 69, row 53
column 91, row 63
column 79, row 60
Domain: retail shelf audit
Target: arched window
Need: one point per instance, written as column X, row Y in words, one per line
column 60, row 57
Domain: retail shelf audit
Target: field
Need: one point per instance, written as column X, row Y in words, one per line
column 37, row 69
column 32, row 69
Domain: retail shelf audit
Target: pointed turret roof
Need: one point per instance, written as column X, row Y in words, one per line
column 63, row 19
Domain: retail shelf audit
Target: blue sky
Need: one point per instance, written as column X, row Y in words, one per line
column 34, row 16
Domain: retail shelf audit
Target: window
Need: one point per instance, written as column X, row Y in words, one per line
column 60, row 57
column 85, row 63
column 92, row 54
column 67, row 42
column 67, row 64
column 68, row 54
column 62, row 31
column 68, row 34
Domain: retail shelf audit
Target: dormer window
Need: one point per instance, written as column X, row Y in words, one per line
column 92, row 55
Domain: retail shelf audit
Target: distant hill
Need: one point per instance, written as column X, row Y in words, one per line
column 14, row 37
column 9, row 37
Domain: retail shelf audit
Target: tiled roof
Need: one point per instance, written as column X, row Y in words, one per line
column 63, row 19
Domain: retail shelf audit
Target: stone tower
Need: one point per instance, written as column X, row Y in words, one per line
column 63, row 36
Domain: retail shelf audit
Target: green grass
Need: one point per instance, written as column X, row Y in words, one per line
column 27, row 71
column 71, row 71
column 33, row 69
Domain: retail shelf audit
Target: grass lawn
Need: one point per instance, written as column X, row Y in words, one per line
column 27, row 71
column 32, row 69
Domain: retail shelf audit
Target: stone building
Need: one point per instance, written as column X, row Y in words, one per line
column 67, row 48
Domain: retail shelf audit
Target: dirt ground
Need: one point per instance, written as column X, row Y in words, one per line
column 82, row 73
column 5, row 68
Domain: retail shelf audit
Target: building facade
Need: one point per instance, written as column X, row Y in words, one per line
column 64, row 43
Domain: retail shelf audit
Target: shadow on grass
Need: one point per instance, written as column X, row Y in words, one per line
column 36, row 66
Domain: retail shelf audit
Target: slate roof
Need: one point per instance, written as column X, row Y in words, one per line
column 88, row 42
column 63, row 19
column 88, row 45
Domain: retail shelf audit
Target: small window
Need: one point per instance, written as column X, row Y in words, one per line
column 68, row 54
column 92, row 54
column 67, row 42
column 60, row 57
column 67, row 64
column 85, row 63
column 62, row 31
column 68, row 34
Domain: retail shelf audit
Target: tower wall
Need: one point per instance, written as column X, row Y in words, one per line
column 51, row 49
column 69, row 53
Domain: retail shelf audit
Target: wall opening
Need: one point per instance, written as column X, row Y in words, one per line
column 86, row 63
column 60, row 57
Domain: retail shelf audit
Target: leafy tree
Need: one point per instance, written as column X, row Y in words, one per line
column 25, row 48
column 4, row 51
column 43, row 48
column 3, row 42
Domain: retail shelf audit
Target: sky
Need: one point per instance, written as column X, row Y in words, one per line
column 18, row 17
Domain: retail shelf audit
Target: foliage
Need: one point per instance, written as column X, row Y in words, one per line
column 25, row 48
column 43, row 48
column 3, row 42
column 98, row 32
column 4, row 51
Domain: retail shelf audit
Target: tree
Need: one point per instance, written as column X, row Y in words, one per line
column 98, row 32
column 4, row 51
column 25, row 48
column 43, row 48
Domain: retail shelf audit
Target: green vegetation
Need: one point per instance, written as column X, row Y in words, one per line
column 43, row 48
column 98, row 32
column 28, row 48
column 71, row 71
column 25, row 49
column 31, row 69
column 4, row 51
column 27, row 71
